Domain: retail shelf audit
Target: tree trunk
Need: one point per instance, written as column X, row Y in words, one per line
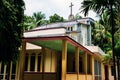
column 113, row 43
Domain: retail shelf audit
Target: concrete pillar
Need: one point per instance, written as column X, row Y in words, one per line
column 36, row 62
column 92, row 64
column 77, row 62
column 10, row 70
column 4, row 74
column 43, row 62
column 64, row 59
column 85, row 65
column 22, row 61
column 0, row 66
column 28, row 64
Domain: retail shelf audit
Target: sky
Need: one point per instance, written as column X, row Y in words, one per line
column 50, row 7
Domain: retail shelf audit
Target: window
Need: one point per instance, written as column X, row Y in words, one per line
column 13, row 71
column 97, row 69
column 32, row 62
column 71, row 63
column 26, row 62
column 4, row 71
column 88, row 36
column 89, row 64
column 39, row 62
column 80, row 65
column 68, row 28
column 71, row 28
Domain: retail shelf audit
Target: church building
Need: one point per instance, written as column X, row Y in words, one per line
column 59, row 51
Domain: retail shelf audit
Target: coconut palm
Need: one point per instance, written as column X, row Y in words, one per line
column 100, row 35
column 38, row 18
column 29, row 23
column 100, row 6
column 104, row 20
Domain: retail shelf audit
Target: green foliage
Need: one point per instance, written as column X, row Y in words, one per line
column 28, row 23
column 77, row 16
column 37, row 19
column 107, row 9
column 107, row 59
column 100, row 35
column 56, row 18
column 117, row 48
column 11, row 17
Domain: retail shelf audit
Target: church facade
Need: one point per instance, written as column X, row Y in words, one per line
column 59, row 51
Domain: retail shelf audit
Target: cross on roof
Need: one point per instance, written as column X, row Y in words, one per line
column 71, row 5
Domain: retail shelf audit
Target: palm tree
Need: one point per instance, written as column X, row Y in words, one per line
column 100, row 6
column 100, row 35
column 38, row 17
column 29, row 23
column 104, row 20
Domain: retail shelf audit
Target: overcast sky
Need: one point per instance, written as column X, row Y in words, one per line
column 50, row 7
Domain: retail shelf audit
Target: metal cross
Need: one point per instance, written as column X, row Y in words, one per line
column 71, row 8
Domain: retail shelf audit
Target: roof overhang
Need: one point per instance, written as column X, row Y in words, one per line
column 46, row 32
column 55, row 43
column 95, row 49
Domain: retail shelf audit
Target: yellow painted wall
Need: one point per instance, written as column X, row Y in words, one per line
column 82, row 77
column 103, row 71
column 51, row 64
column 89, row 77
column 71, row 77
column 47, row 64
column 50, row 61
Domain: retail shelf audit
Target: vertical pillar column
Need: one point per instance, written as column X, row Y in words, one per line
column 85, row 65
column 77, row 62
column 36, row 62
column 0, row 66
column 22, row 61
column 4, row 74
column 28, row 65
column 10, row 70
column 42, row 62
column 64, row 59
column 92, row 64
column 18, row 70
column 101, row 70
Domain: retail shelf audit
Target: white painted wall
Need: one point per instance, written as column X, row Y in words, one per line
column 46, row 32
column 84, row 34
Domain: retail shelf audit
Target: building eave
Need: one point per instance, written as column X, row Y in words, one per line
column 69, row 40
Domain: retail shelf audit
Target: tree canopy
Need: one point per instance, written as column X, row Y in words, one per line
column 38, row 19
column 11, row 28
column 56, row 18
